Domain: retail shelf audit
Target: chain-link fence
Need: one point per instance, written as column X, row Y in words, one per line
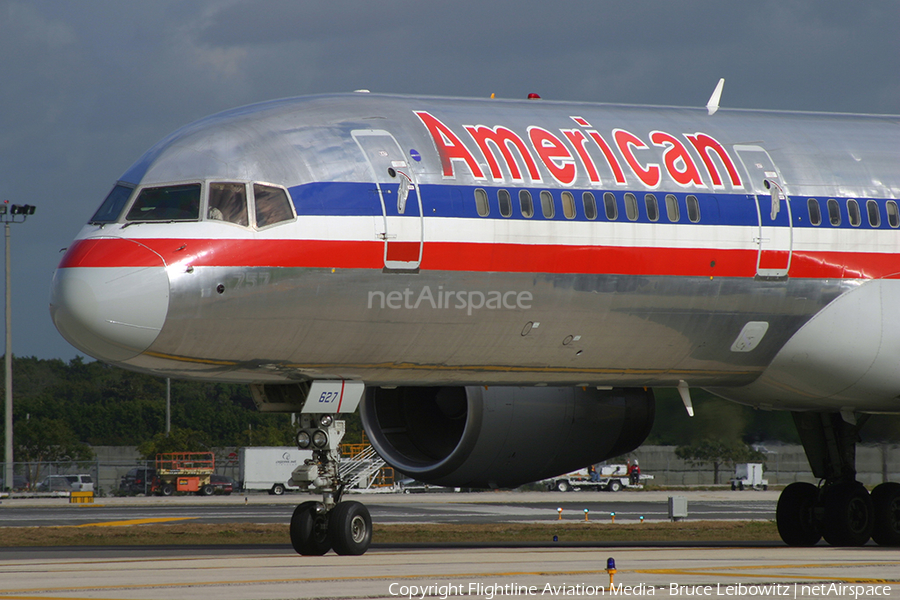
column 104, row 478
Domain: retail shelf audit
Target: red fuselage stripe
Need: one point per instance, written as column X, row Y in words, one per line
column 477, row 257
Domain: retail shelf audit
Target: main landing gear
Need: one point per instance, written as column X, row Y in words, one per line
column 317, row 527
column 840, row 509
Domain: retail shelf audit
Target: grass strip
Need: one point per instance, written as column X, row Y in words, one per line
column 248, row 533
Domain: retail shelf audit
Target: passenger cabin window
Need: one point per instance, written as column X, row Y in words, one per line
column 167, row 203
column 481, row 203
column 568, row 202
column 631, row 207
column 272, row 205
column 815, row 215
column 853, row 212
column 590, row 205
column 834, row 212
column 609, row 203
column 505, row 203
column 693, row 208
column 652, row 207
column 893, row 214
column 228, row 202
column 525, row 204
column 672, row 208
column 874, row 213
column 547, row 208
column 112, row 207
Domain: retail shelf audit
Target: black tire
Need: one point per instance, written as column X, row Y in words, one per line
column 794, row 515
column 614, row 485
column 207, row 490
column 309, row 530
column 277, row 489
column 167, row 489
column 562, row 485
column 849, row 515
column 350, row 528
column 886, row 503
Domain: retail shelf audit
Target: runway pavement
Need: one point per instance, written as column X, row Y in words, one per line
column 487, row 507
column 436, row 572
column 441, row 573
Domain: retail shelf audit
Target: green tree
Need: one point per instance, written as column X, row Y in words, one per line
column 269, row 435
column 718, row 452
column 179, row 440
column 43, row 440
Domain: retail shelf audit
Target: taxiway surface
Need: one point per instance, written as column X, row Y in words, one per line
column 487, row 573
column 501, row 571
column 476, row 508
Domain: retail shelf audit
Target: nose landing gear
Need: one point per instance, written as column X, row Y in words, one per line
column 317, row 527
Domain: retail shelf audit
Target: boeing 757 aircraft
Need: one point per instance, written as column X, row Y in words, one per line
column 498, row 285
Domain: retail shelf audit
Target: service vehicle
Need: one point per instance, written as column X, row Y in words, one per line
column 184, row 472
column 138, row 480
column 749, row 475
column 611, row 478
column 54, row 483
column 269, row 468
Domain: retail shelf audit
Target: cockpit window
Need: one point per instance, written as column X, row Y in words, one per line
column 168, row 203
column 112, row 207
column 228, row 202
column 272, row 205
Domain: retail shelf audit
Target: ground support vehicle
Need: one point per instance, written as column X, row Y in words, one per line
column 184, row 472
column 138, row 480
column 269, row 467
column 749, row 475
column 611, row 478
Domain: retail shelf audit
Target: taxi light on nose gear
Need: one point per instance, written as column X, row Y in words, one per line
column 303, row 440
column 319, row 439
column 326, row 421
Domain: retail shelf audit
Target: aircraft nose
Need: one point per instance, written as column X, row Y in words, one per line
column 109, row 298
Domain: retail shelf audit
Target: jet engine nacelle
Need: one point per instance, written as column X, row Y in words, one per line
column 502, row 437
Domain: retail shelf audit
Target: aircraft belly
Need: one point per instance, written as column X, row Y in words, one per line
column 279, row 324
column 844, row 358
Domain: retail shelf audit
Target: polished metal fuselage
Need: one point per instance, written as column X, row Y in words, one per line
column 642, row 303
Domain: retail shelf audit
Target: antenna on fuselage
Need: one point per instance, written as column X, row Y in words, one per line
column 713, row 105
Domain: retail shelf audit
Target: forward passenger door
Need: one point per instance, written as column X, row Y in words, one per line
column 398, row 192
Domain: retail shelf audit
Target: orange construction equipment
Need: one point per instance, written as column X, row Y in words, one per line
column 184, row 472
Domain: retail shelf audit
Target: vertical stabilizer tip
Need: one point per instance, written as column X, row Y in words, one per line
column 713, row 105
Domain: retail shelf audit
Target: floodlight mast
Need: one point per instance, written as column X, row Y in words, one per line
column 9, row 214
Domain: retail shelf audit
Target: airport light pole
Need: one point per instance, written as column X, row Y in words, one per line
column 8, row 214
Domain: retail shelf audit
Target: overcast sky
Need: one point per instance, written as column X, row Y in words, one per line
column 87, row 86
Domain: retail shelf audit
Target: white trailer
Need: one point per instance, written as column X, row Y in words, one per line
column 749, row 475
column 269, row 468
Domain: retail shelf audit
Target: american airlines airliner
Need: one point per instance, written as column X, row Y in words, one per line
column 498, row 285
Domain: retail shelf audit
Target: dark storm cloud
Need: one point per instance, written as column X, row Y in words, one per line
column 88, row 86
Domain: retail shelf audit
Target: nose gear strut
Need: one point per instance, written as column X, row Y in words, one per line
column 317, row 527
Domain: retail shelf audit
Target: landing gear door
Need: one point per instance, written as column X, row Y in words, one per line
column 401, row 205
column 773, row 209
